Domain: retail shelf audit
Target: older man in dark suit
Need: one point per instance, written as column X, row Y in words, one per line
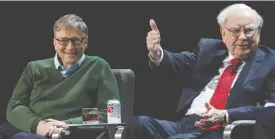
column 224, row 79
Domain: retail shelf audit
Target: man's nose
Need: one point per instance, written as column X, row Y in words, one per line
column 242, row 35
column 70, row 45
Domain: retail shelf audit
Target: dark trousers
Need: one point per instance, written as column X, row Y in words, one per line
column 84, row 135
column 265, row 123
column 144, row 127
column 8, row 131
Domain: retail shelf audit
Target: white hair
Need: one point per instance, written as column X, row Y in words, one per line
column 222, row 17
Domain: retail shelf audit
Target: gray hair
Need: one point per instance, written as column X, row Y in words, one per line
column 71, row 20
column 222, row 17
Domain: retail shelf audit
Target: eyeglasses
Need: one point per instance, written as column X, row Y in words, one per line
column 75, row 40
column 248, row 32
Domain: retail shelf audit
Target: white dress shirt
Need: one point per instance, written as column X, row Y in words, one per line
column 198, row 104
column 61, row 68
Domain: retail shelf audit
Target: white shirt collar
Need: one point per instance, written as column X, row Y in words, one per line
column 57, row 64
column 229, row 58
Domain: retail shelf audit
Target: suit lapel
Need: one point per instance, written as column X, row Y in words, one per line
column 256, row 64
column 210, row 62
column 247, row 73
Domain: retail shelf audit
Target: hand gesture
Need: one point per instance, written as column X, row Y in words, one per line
column 56, row 123
column 45, row 128
column 212, row 117
column 153, row 41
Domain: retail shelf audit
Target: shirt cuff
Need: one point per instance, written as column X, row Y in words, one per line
column 157, row 62
column 268, row 104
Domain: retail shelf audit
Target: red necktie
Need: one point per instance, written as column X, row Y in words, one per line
column 223, row 88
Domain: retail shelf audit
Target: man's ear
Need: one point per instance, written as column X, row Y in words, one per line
column 222, row 31
column 259, row 37
column 54, row 43
column 86, row 42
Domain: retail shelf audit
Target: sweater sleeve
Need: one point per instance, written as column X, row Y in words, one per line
column 18, row 112
column 107, row 90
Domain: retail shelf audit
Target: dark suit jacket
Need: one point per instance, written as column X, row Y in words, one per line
column 255, row 84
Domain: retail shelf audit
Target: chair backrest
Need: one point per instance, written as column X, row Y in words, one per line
column 126, row 84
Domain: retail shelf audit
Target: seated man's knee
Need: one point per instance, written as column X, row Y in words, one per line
column 142, row 119
column 138, row 121
column 25, row 135
column 22, row 135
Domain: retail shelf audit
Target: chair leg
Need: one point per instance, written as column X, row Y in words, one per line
column 59, row 132
column 111, row 131
column 118, row 133
column 101, row 135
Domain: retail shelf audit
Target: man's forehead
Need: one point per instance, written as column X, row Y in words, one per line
column 243, row 19
column 69, row 32
column 242, row 13
column 242, row 25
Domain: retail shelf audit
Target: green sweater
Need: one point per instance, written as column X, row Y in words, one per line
column 42, row 92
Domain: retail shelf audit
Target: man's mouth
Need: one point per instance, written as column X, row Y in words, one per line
column 243, row 45
column 69, row 53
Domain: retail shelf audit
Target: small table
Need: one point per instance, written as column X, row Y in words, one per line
column 110, row 127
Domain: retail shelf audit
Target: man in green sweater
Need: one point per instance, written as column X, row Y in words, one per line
column 52, row 92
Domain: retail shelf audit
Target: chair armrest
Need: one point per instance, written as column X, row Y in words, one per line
column 239, row 130
column 118, row 133
column 59, row 132
column 244, row 122
column 114, row 131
